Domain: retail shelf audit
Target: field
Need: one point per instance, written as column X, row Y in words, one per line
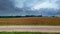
column 26, row 33
column 31, row 21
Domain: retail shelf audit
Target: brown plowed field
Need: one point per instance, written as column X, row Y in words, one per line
column 31, row 20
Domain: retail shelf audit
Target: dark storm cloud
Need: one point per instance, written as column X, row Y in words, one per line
column 50, row 7
column 5, row 7
column 29, row 7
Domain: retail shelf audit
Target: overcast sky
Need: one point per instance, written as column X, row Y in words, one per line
column 36, row 7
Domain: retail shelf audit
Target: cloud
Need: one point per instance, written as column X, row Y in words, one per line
column 6, row 7
column 46, row 4
column 15, row 7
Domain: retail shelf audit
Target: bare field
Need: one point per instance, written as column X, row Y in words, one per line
column 31, row 20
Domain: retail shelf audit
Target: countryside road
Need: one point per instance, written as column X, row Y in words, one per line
column 30, row 28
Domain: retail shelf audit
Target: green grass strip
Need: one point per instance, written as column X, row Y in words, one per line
column 26, row 33
column 31, row 24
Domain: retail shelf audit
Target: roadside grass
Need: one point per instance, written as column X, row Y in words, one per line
column 30, row 24
column 27, row 33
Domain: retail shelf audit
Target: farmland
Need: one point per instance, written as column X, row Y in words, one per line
column 31, row 21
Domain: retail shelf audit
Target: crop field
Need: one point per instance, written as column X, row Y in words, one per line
column 31, row 21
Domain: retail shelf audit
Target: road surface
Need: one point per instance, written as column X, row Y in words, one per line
column 30, row 28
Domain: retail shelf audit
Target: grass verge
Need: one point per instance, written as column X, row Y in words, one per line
column 30, row 24
column 27, row 33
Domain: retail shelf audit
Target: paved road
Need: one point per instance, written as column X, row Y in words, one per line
column 30, row 28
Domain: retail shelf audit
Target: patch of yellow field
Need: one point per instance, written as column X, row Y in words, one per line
column 31, row 20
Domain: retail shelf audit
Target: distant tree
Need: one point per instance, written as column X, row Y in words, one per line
column 32, row 15
column 40, row 15
column 27, row 16
column 53, row 16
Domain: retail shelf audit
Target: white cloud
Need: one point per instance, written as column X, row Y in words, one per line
column 46, row 4
column 19, row 3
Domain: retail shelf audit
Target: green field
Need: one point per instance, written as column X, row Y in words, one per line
column 26, row 33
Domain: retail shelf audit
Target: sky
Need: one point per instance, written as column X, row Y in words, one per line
column 29, row 7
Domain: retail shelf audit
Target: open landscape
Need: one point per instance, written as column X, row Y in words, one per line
column 30, row 21
column 29, row 16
